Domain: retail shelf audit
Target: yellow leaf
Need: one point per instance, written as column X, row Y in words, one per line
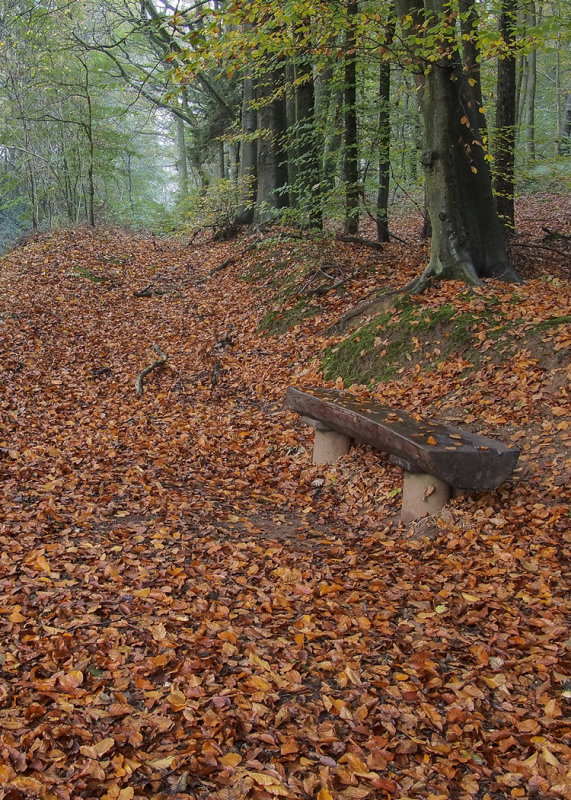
column 99, row 749
column 260, row 683
column 6, row 773
column 30, row 785
column 324, row 794
column 328, row 588
column 177, row 699
column 161, row 763
column 231, row 759
column 264, row 779
column 159, row 632
column 126, row 794
column 41, row 563
column 549, row 758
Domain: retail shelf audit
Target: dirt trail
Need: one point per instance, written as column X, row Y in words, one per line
column 189, row 608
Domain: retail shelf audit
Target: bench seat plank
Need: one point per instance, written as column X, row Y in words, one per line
column 458, row 457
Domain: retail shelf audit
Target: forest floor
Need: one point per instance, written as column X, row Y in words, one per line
column 190, row 609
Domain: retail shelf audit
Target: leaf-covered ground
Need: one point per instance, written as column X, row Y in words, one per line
column 190, row 609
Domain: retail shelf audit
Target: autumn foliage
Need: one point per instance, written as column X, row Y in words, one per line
column 190, row 609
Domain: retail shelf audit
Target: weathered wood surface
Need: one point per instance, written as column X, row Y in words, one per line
column 460, row 458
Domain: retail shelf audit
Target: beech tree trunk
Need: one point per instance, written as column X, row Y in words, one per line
column 506, row 118
column 308, row 169
column 181, row 164
column 350, row 149
column 531, row 90
column 272, row 152
column 467, row 238
column 248, row 151
column 384, row 151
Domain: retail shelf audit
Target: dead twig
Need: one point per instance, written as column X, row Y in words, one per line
column 159, row 362
column 535, row 245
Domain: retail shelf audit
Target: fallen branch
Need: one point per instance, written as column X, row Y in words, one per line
column 537, row 246
column 232, row 259
column 149, row 291
column 158, row 363
column 550, row 234
column 343, row 237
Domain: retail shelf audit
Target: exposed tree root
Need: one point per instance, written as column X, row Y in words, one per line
column 163, row 358
column 351, row 319
column 150, row 291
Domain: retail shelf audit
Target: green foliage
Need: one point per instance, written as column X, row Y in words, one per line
column 215, row 207
column 83, row 272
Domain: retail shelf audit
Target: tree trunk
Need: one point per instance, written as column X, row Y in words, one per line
column 90, row 168
column 506, row 118
column 272, row 154
column 531, row 88
column 332, row 140
column 350, row 149
column 307, row 184
column 87, row 126
column 384, row 147
column 248, row 152
column 467, row 238
column 181, row 165
column 470, row 57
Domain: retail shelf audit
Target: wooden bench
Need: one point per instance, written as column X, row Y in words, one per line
column 437, row 459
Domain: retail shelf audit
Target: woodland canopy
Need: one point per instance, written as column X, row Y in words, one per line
column 185, row 115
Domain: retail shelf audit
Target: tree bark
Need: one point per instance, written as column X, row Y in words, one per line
column 248, row 152
column 181, row 164
column 467, row 239
column 307, row 188
column 384, row 147
column 506, row 117
column 272, row 153
column 531, row 89
column 350, row 149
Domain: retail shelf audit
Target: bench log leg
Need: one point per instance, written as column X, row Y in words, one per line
column 328, row 446
column 422, row 494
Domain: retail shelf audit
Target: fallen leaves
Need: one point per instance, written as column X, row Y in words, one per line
column 189, row 608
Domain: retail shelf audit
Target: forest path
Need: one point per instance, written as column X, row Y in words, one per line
column 189, row 608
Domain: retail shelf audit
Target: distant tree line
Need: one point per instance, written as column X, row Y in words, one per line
column 295, row 111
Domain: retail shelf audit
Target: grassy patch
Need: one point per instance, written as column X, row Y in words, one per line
column 552, row 322
column 90, row 276
column 411, row 334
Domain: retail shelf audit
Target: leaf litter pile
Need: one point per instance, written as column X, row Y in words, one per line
column 190, row 609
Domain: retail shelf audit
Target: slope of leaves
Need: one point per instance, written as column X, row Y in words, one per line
column 190, row 609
